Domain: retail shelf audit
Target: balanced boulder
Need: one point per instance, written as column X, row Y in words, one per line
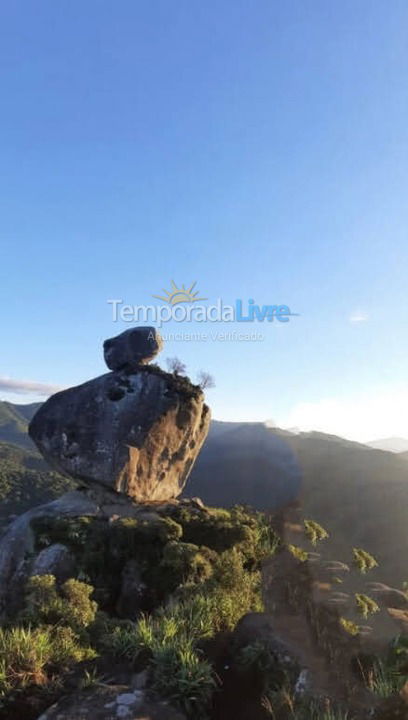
column 136, row 431
column 132, row 348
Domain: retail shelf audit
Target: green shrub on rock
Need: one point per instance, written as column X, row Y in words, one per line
column 30, row 656
column 80, row 610
column 186, row 563
column 185, row 679
column 221, row 530
column 46, row 604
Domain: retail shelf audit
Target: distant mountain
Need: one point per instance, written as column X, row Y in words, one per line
column 25, row 481
column 245, row 463
column 14, row 420
column 392, row 444
column 26, row 411
column 358, row 493
column 25, row 478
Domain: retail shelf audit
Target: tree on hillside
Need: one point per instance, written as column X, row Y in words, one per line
column 205, row 380
column 176, row 366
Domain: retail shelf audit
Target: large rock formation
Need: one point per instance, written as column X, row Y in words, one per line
column 132, row 348
column 137, row 430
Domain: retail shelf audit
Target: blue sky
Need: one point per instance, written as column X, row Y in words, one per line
column 258, row 148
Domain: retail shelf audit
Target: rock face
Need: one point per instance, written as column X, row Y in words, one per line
column 137, row 432
column 132, row 348
column 55, row 560
column 258, row 627
column 110, row 703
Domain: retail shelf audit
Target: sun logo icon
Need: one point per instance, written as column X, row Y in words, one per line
column 180, row 295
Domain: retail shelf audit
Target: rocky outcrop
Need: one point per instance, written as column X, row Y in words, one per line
column 106, row 702
column 137, row 430
column 20, row 559
column 55, row 560
column 257, row 627
column 17, row 546
column 132, row 348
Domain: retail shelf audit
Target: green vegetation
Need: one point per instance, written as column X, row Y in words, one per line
column 185, row 679
column 14, row 421
column 298, row 552
column 69, row 605
column 169, row 639
column 385, row 680
column 283, row 704
column 350, row 627
column 30, row 656
column 314, row 532
column 366, row 605
column 26, row 481
column 328, row 713
column 399, row 651
column 202, row 569
column 363, row 560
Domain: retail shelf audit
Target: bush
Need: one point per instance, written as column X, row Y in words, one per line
column 230, row 606
column 70, row 606
column 27, row 655
column 194, row 615
column 350, row 627
column 188, row 681
column 298, row 552
column 363, row 560
column 314, row 532
column 186, row 563
column 214, row 531
column 212, row 583
column 384, row 681
column 79, row 609
column 102, row 549
column 366, row 605
column 122, row 643
column 146, row 637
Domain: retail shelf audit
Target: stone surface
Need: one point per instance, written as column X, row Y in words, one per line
column 17, row 544
column 110, row 703
column 137, row 434
column 55, row 560
column 259, row 627
column 132, row 348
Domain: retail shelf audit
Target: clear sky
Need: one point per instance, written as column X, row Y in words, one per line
column 258, row 148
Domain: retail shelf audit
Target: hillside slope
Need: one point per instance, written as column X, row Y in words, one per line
column 25, row 481
column 359, row 494
column 14, row 420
